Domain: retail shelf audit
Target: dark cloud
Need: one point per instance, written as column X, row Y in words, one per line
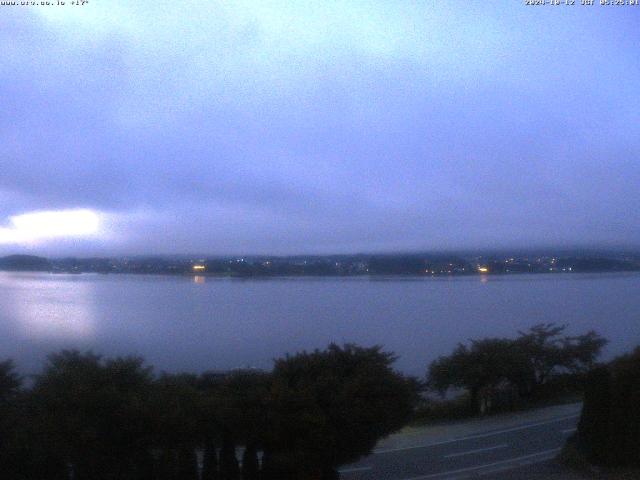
column 323, row 128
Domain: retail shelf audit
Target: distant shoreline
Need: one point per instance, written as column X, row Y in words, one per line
column 372, row 277
column 396, row 265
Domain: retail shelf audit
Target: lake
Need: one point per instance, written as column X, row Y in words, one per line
column 200, row 323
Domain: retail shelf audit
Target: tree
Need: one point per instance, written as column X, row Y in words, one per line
column 10, row 423
column 484, row 364
column 176, row 407
column 187, row 464
column 330, row 407
column 593, row 428
column 549, row 353
column 526, row 363
column 229, row 467
column 625, row 409
column 10, row 381
column 210, row 462
column 609, row 428
column 236, row 402
column 541, row 343
column 93, row 413
column 581, row 352
column 250, row 466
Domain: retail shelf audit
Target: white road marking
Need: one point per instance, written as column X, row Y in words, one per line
column 480, row 435
column 518, row 464
column 569, row 430
column 478, row 450
column 354, row 469
column 544, row 454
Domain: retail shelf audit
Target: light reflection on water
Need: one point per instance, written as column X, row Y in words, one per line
column 49, row 309
column 197, row 323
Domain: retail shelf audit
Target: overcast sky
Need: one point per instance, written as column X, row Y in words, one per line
column 295, row 127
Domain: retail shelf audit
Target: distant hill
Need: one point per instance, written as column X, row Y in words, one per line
column 29, row 263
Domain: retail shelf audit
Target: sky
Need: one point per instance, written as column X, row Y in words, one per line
column 166, row 127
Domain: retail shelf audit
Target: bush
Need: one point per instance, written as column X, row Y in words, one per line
column 94, row 418
column 330, row 407
column 609, row 428
column 432, row 410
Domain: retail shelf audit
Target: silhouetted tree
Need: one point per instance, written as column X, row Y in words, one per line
column 269, row 469
column 167, row 465
column 210, row 462
column 91, row 418
column 547, row 351
column 237, row 401
column 526, row 363
column 187, row 464
column 594, row 425
column 176, row 407
column 10, row 382
column 250, row 466
column 229, row 468
column 609, row 427
column 330, row 407
column 11, row 456
column 485, row 363
column 93, row 412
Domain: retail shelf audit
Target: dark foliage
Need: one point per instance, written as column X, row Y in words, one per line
column 229, row 467
column 609, row 428
column 330, row 407
column 10, row 449
column 87, row 417
column 250, row 464
column 10, row 381
column 210, row 462
column 25, row 263
column 594, row 422
column 93, row 413
column 503, row 371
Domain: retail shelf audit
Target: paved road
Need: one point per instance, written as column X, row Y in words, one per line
column 487, row 452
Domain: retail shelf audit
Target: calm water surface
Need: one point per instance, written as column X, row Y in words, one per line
column 186, row 323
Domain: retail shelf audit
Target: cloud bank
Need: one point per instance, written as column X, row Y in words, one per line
column 275, row 127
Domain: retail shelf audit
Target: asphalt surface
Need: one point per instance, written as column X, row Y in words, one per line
column 494, row 451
